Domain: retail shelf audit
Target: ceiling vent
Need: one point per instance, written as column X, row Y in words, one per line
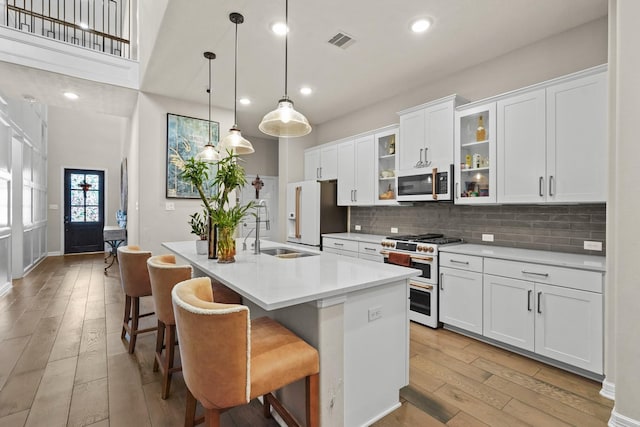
column 342, row 40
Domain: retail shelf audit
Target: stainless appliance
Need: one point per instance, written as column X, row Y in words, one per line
column 426, row 185
column 312, row 210
column 421, row 252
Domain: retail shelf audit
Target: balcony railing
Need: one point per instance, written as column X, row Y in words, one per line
column 102, row 25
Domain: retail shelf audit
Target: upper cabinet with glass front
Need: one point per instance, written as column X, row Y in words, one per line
column 475, row 154
column 386, row 188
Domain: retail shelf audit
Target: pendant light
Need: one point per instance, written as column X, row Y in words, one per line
column 209, row 153
column 234, row 141
column 285, row 121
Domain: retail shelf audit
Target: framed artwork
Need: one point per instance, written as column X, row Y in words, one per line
column 186, row 137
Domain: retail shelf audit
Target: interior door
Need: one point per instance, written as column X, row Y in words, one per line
column 83, row 210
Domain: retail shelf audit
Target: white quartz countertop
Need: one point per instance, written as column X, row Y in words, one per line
column 561, row 259
column 273, row 283
column 358, row 237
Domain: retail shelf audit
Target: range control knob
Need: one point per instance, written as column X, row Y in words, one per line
column 430, row 249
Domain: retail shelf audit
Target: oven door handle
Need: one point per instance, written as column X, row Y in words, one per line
column 427, row 259
column 419, row 285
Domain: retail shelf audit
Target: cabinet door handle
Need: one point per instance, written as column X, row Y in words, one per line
column 535, row 274
column 352, row 195
column 442, row 281
column 317, row 172
column 355, row 195
column 426, row 162
column 370, row 249
column 459, row 262
column 320, row 168
column 419, row 164
column 539, row 296
column 529, row 292
column 551, row 185
column 338, row 244
column 457, row 190
column 541, row 185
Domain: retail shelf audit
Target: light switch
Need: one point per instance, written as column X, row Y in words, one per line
column 169, row 206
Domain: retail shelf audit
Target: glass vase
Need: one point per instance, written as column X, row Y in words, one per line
column 226, row 245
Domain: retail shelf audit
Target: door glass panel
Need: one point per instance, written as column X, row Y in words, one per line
column 85, row 197
column 4, row 203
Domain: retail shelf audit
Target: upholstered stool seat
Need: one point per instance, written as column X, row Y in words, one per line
column 134, row 277
column 163, row 275
column 227, row 359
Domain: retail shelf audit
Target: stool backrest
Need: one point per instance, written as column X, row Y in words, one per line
column 215, row 345
column 134, row 275
column 164, row 273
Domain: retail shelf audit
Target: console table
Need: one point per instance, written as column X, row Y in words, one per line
column 114, row 236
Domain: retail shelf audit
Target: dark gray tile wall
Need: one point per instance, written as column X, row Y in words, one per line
column 562, row 228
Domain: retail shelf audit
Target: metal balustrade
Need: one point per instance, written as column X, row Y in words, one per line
column 102, row 25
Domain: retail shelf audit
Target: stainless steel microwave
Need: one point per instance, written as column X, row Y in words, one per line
column 426, row 185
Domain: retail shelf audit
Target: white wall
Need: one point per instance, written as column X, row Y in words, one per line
column 265, row 160
column 582, row 47
column 83, row 140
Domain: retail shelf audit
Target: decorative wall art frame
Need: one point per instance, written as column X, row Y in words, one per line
column 186, row 137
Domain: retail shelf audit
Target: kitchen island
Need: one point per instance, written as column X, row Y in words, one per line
column 355, row 312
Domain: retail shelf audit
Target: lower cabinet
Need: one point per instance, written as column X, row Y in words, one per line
column 461, row 299
column 556, row 319
column 352, row 248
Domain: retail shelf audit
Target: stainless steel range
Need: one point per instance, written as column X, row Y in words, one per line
column 420, row 252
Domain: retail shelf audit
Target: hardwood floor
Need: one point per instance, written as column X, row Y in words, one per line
column 62, row 363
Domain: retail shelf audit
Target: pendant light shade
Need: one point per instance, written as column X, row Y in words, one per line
column 209, row 153
column 285, row 121
column 235, row 142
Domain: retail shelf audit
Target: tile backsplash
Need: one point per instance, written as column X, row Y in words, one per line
column 562, row 228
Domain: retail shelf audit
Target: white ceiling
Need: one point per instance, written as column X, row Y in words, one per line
column 386, row 58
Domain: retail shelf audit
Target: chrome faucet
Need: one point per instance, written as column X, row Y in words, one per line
column 261, row 204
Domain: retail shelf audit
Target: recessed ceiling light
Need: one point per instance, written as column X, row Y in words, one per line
column 71, row 95
column 420, row 25
column 245, row 101
column 84, row 26
column 306, row 90
column 280, row 28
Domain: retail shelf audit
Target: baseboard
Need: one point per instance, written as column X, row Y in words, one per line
column 5, row 288
column 619, row 420
column 382, row 414
column 608, row 390
column 54, row 253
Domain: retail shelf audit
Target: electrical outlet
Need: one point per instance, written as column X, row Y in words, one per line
column 358, row 228
column 394, row 229
column 169, row 206
column 53, row 207
column 375, row 313
column 592, row 246
column 487, row 237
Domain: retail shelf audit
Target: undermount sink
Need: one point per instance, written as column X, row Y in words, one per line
column 285, row 253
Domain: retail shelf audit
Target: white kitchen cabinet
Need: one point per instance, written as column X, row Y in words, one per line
column 577, row 140
column 521, row 134
column 356, row 171
column 426, row 133
column 321, row 163
column 386, row 184
column 561, row 318
column 354, row 246
column 461, row 293
column 569, row 326
column 509, row 311
column 475, row 154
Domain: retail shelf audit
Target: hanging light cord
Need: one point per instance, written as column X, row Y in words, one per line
column 286, row 47
column 235, row 83
column 209, row 90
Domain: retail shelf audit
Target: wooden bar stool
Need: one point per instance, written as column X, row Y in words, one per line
column 164, row 274
column 227, row 359
column 134, row 277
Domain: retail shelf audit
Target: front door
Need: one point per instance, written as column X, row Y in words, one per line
column 83, row 210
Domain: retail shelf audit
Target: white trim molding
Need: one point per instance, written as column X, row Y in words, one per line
column 608, row 390
column 619, row 420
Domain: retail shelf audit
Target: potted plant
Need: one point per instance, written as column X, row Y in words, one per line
column 223, row 213
column 200, row 228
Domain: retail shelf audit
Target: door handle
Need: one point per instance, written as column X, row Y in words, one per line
column 541, row 186
column 539, row 296
column 434, row 176
column 455, row 261
column 457, row 190
column 355, row 195
column 419, row 163
column 551, row 185
column 535, row 274
column 320, row 169
column 317, row 172
column 297, row 227
column 529, row 292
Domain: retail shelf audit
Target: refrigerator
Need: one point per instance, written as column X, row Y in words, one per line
column 312, row 210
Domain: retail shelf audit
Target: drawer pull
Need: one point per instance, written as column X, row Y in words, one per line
column 459, row 262
column 529, row 292
column 338, row 244
column 541, row 184
column 425, row 287
column 370, row 249
column 535, row 274
column 539, row 308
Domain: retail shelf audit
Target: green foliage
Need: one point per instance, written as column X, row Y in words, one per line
column 229, row 176
column 199, row 226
